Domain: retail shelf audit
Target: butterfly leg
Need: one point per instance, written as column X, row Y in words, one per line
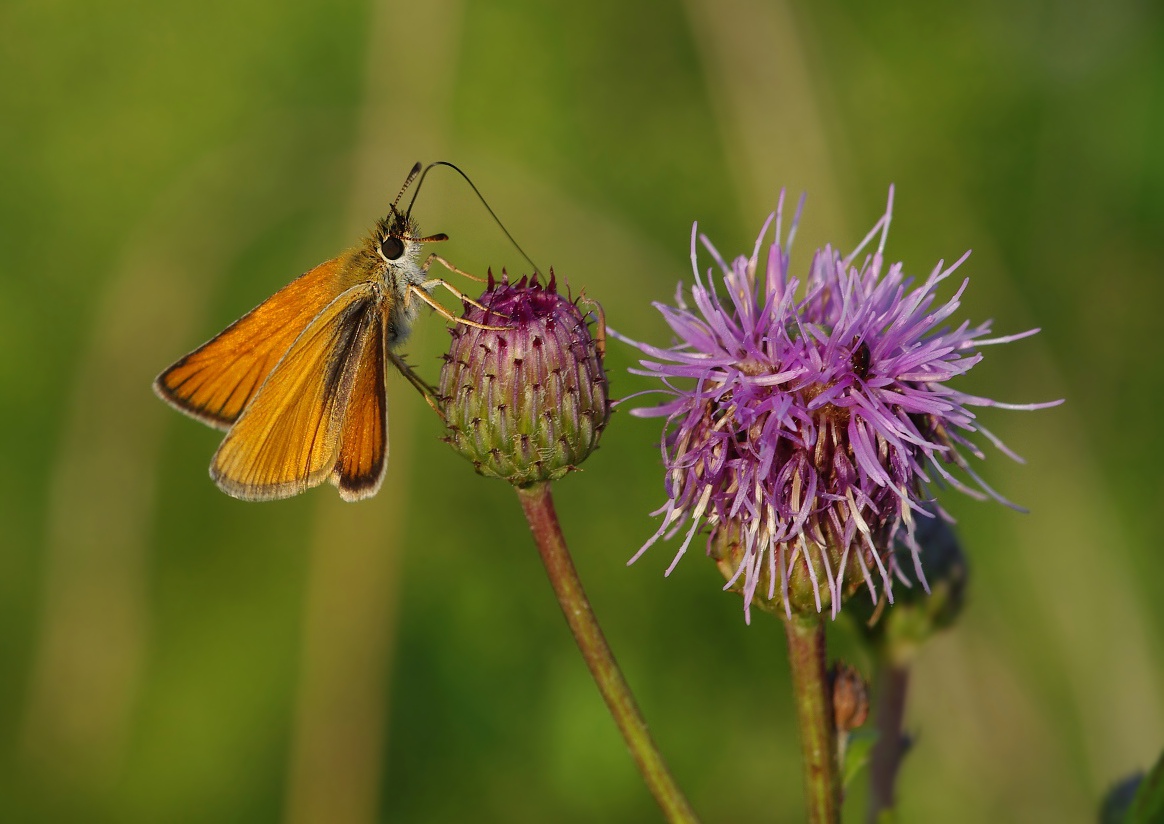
column 427, row 390
column 600, row 328
column 435, row 258
column 430, row 284
column 457, row 293
column 421, row 291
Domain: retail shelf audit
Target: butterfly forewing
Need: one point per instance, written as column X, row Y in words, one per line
column 216, row 381
column 287, row 439
column 363, row 448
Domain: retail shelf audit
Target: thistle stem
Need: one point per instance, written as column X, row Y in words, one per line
column 538, row 506
column 814, row 713
column 885, row 759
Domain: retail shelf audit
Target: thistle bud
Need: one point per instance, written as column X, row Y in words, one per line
column 850, row 697
column 926, row 606
column 527, row 399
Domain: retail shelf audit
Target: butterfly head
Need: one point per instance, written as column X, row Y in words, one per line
column 395, row 242
column 396, row 237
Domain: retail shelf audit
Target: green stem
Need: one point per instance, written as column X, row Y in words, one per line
column 885, row 759
column 543, row 522
column 814, row 712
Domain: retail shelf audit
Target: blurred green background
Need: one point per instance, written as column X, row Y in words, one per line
column 170, row 654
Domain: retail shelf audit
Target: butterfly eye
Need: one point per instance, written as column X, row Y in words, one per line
column 391, row 248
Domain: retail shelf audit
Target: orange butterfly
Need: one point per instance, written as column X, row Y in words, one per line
column 298, row 382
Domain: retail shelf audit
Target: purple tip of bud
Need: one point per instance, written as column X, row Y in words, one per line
column 522, row 388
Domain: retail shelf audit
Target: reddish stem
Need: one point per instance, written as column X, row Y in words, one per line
column 547, row 532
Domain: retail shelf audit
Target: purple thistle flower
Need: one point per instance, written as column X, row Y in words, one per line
column 806, row 433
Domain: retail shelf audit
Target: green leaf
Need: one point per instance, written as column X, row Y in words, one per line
column 1148, row 804
column 857, row 750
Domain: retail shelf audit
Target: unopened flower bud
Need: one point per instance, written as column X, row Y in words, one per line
column 527, row 399
column 850, row 697
column 925, row 606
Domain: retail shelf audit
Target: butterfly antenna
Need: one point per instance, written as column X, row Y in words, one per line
column 480, row 197
column 407, row 182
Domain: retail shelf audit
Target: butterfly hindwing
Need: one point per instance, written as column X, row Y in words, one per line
column 216, row 381
column 363, row 448
column 288, row 437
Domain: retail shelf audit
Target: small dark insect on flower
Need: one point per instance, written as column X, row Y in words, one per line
column 526, row 402
column 805, row 424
